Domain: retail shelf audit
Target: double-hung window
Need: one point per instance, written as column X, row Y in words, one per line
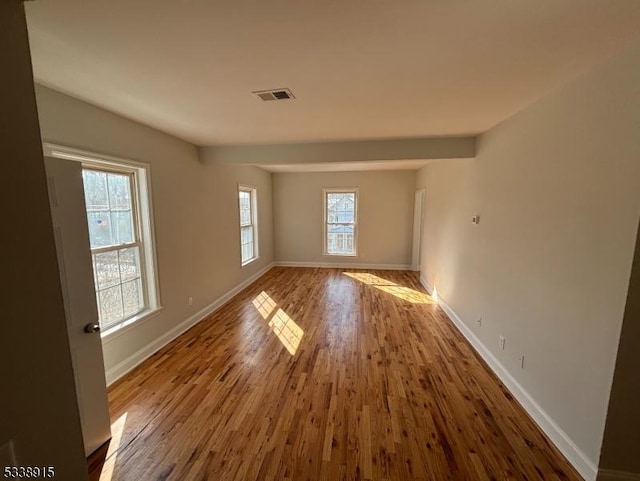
column 340, row 221
column 118, row 216
column 247, row 201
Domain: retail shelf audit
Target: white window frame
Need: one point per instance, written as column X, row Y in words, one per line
column 144, row 237
column 342, row 190
column 253, row 206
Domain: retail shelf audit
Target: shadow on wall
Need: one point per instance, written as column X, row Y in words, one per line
column 621, row 445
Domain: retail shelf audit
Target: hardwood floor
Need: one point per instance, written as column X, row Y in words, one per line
column 322, row 374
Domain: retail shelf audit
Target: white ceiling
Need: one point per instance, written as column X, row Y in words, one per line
column 360, row 69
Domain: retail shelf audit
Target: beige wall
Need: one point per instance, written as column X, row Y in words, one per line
column 548, row 266
column 622, row 433
column 195, row 211
column 385, row 216
column 38, row 408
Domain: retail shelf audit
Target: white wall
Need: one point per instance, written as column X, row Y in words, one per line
column 38, row 408
column 385, row 216
column 557, row 189
column 195, row 211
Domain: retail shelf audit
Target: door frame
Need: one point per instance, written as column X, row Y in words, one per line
column 418, row 218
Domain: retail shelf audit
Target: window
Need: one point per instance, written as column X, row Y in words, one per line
column 340, row 221
column 248, row 224
column 119, row 224
column 118, row 205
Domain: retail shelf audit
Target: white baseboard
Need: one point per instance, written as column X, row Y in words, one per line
column 123, row 367
column 611, row 475
column 346, row 265
column 563, row 442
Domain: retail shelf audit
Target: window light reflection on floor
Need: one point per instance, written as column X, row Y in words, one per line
column 264, row 304
column 401, row 292
column 287, row 331
column 117, row 428
column 285, row 328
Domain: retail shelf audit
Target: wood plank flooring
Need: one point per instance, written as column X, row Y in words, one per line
column 322, row 374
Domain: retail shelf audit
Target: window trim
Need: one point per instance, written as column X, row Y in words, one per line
column 141, row 186
column 340, row 190
column 253, row 195
column 138, row 237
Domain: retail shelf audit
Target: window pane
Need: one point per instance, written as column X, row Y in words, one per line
column 122, row 222
column 340, row 239
column 119, row 191
column 245, row 207
column 95, row 189
column 110, row 301
column 132, row 297
column 109, row 208
column 119, row 284
column 129, row 263
column 341, row 207
column 107, row 269
column 247, row 252
column 100, row 230
column 246, row 241
column 246, row 234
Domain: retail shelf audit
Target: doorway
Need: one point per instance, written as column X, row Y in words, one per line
column 417, row 229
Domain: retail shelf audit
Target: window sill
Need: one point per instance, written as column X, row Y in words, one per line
column 339, row 255
column 116, row 331
column 245, row 264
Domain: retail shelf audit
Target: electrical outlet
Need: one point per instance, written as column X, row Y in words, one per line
column 501, row 342
column 191, row 301
column 521, row 359
column 479, row 321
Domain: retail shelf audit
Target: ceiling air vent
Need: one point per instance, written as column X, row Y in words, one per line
column 275, row 94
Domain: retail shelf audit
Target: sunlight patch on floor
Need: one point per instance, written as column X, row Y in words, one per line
column 369, row 279
column 264, row 304
column 289, row 333
column 117, row 428
column 285, row 328
column 401, row 292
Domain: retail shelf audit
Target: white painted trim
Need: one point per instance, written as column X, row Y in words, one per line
column 123, row 367
column 356, row 202
column 142, row 192
column 253, row 194
column 611, row 475
column 345, row 265
column 563, row 442
column 71, row 153
column 418, row 219
column 123, row 327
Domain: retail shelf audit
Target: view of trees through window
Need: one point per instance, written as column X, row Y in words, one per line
column 115, row 247
column 340, row 223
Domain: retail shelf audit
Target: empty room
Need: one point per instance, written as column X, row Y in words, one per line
column 336, row 240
